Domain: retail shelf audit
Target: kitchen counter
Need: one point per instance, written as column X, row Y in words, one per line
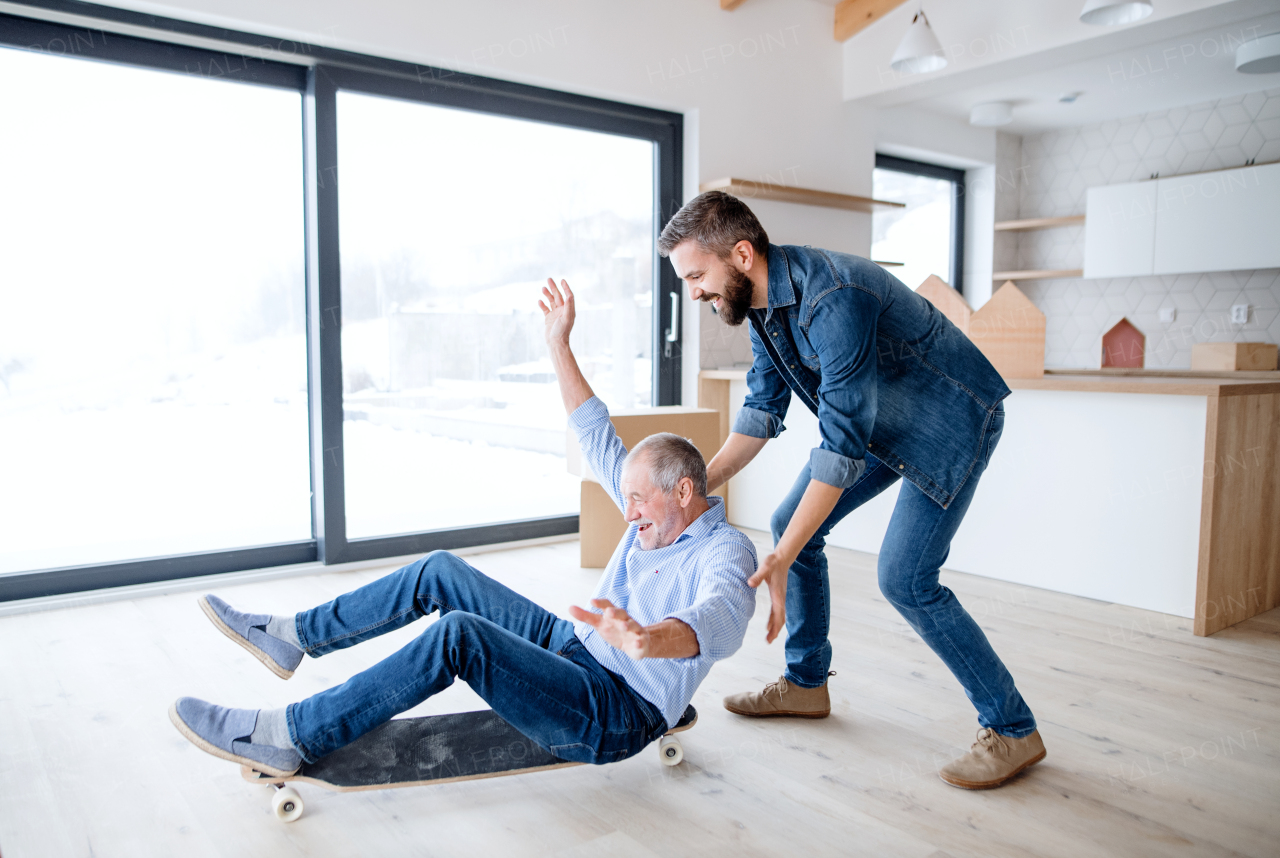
column 1185, row 383
column 1157, row 489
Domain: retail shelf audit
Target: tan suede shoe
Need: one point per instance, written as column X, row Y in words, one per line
column 992, row 760
column 782, row 698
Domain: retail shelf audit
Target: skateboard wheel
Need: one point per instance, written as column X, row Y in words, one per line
column 287, row 804
column 670, row 751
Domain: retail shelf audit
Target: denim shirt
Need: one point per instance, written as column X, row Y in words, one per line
column 884, row 371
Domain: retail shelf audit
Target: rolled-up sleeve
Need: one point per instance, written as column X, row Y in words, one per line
column 843, row 329
column 831, row 468
column 723, row 604
column 757, row 424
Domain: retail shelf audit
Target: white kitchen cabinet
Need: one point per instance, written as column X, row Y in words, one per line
column 1120, row 230
column 1227, row 220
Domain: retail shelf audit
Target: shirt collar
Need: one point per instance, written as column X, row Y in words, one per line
column 781, row 291
column 703, row 524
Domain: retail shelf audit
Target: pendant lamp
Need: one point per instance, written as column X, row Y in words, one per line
column 920, row 50
column 1109, row 13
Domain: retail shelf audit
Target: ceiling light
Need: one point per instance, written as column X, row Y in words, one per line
column 1261, row 56
column 1111, row 12
column 920, row 50
column 991, row 113
column 1069, row 97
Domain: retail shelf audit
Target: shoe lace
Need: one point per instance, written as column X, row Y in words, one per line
column 990, row 741
column 779, row 686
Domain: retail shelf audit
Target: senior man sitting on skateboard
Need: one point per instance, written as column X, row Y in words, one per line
column 673, row 600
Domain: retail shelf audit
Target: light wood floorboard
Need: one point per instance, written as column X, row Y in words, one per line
column 1160, row 743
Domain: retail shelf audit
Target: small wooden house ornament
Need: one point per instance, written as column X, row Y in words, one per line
column 1124, row 346
column 1009, row 330
column 948, row 301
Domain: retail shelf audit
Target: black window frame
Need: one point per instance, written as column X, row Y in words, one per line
column 957, row 179
column 318, row 73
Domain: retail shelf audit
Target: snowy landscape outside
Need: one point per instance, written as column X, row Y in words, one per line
column 451, row 223
column 152, row 345
column 920, row 234
column 153, row 377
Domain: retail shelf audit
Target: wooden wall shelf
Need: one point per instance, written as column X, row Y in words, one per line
column 1061, row 274
column 749, row 190
column 1038, row 223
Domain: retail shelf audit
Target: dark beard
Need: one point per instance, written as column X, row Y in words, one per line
column 737, row 299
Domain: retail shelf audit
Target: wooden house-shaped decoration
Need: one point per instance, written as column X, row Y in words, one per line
column 1123, row 346
column 948, row 301
column 1009, row 330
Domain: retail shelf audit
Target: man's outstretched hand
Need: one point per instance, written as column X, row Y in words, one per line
column 616, row 627
column 557, row 312
column 773, row 571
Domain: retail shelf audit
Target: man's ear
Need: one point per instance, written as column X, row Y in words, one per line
column 743, row 255
column 684, row 492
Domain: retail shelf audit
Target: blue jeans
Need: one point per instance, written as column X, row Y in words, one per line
column 526, row 663
column 914, row 549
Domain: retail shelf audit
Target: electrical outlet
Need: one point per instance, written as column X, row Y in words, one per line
column 1168, row 314
column 1239, row 314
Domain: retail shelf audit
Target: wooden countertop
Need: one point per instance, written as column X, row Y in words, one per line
column 1168, row 382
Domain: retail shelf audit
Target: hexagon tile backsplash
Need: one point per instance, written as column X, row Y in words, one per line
column 1058, row 167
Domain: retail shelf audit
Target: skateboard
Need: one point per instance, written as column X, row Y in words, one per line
column 438, row 749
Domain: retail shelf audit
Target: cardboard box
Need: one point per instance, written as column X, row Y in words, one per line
column 699, row 425
column 1233, row 356
column 600, row 522
column 600, row 526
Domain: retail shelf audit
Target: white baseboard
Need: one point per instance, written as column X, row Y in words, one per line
column 248, row 576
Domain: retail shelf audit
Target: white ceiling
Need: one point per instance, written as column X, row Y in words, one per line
column 1170, row 62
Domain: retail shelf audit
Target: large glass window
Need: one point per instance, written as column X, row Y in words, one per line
column 451, row 221
column 152, row 348
column 925, row 237
column 174, row 398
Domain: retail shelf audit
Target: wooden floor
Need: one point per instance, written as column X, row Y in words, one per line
column 1160, row 743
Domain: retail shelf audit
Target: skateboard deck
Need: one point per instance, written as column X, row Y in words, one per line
column 437, row 749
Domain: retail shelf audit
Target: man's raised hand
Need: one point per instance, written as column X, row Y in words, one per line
column 615, row 626
column 557, row 312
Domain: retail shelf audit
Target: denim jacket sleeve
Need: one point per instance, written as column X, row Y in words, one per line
column 768, row 396
column 843, row 330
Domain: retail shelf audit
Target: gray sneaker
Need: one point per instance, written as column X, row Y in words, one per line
column 250, row 631
column 225, row 733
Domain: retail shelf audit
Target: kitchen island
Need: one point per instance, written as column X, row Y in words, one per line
column 1159, row 490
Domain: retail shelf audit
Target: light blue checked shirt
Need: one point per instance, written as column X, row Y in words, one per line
column 700, row 579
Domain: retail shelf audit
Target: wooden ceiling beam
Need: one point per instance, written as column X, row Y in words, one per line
column 730, row 5
column 852, row 16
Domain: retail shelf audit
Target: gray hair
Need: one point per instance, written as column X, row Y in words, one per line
column 671, row 459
